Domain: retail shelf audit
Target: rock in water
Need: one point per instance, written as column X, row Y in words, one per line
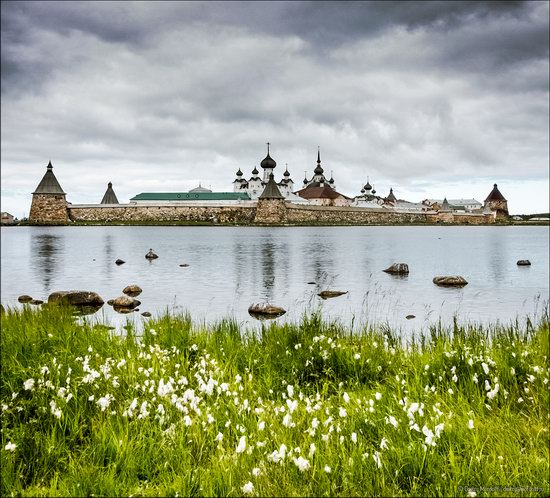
column 398, row 269
column 524, row 262
column 328, row 294
column 410, row 317
column 119, row 262
column 132, row 290
column 36, row 302
column 151, row 254
column 452, row 281
column 265, row 311
column 76, row 298
column 146, row 314
column 126, row 302
column 24, row 298
column 110, row 302
column 184, row 265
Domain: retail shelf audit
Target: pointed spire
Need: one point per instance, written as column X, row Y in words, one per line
column 49, row 183
column 109, row 197
column 318, row 154
column 318, row 169
column 271, row 190
column 268, row 148
column 286, row 173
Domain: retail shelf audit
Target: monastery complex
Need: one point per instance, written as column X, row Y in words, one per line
column 263, row 200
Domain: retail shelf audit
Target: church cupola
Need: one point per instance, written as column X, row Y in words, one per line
column 268, row 164
column 318, row 169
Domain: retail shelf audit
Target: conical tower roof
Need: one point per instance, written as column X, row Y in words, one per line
column 271, row 190
column 110, row 196
column 49, row 183
column 391, row 197
column 495, row 195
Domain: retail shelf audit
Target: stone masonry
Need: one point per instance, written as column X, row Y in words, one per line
column 48, row 209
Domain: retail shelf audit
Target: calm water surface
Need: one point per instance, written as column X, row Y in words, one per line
column 232, row 267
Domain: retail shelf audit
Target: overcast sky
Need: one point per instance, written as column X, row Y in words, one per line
column 431, row 98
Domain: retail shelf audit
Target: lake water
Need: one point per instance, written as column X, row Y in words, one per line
column 232, row 267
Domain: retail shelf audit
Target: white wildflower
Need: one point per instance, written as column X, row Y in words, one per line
column 261, row 425
column 342, row 412
column 218, row 437
column 384, row 444
column 242, row 445
column 376, row 458
column 29, row 384
column 327, row 469
column 301, row 463
column 470, row 424
column 485, row 368
column 378, row 396
column 10, row 446
column 354, row 437
column 256, row 471
column 248, row 488
column 346, row 397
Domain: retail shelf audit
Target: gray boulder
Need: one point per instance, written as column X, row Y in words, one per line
column 24, row 298
column 151, row 254
column 76, row 298
column 398, row 269
column 524, row 262
column 132, row 290
column 126, row 302
column 327, row 294
column 450, row 281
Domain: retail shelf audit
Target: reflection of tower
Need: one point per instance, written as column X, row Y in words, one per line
column 45, row 254
column 109, row 258
column 267, row 249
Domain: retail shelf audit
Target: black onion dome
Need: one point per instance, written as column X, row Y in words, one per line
column 362, row 190
column 318, row 169
column 239, row 173
column 268, row 162
column 367, row 186
column 331, row 181
column 286, row 173
column 255, row 171
column 305, row 181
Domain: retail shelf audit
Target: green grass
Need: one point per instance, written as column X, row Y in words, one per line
column 163, row 414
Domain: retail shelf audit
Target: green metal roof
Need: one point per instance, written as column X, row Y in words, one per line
column 191, row 196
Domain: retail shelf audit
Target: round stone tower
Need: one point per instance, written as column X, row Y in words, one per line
column 49, row 206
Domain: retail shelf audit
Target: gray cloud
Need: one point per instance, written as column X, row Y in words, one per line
column 160, row 96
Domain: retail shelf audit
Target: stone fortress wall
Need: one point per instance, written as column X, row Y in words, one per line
column 265, row 212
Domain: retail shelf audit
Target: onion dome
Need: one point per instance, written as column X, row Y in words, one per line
column 268, row 162
column 255, row 171
column 373, row 191
column 305, row 180
column 367, row 186
column 362, row 190
column 239, row 173
column 286, row 173
column 318, row 169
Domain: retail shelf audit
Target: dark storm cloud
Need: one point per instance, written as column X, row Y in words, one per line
column 402, row 91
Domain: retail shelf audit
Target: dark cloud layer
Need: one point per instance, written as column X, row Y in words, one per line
column 410, row 93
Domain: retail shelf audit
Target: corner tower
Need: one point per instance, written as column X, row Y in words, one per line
column 496, row 202
column 49, row 206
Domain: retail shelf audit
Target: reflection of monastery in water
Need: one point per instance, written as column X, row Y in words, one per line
column 262, row 199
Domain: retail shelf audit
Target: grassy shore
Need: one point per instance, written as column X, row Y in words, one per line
column 296, row 410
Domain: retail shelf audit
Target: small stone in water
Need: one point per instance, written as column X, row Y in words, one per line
column 119, row 262
column 146, row 313
column 410, row 317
